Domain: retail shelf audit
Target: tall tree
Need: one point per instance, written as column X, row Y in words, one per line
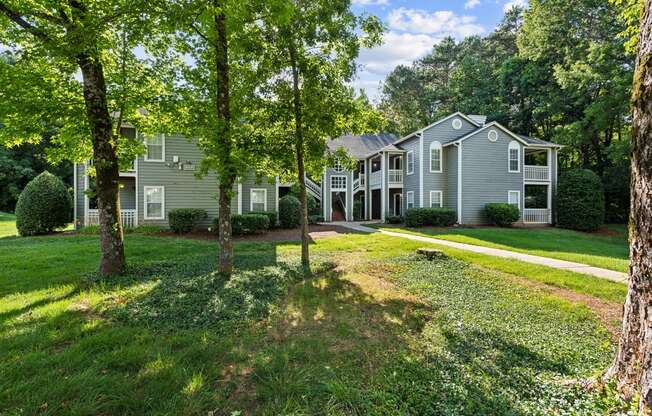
column 632, row 367
column 311, row 51
column 51, row 42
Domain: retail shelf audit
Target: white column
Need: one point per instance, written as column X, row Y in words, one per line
column 421, row 156
column 240, row 196
column 383, row 194
column 459, row 183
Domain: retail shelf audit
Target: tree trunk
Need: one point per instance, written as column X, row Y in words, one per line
column 227, row 174
column 106, row 165
column 632, row 367
column 301, row 171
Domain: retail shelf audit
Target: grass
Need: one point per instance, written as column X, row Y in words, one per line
column 605, row 251
column 376, row 331
column 7, row 224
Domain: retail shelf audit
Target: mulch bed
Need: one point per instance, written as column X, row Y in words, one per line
column 316, row 232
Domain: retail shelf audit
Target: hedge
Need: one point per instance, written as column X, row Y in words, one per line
column 314, row 219
column 580, row 200
column 272, row 216
column 43, row 206
column 439, row 217
column 502, row 214
column 393, row 219
column 242, row 224
column 185, row 220
column 289, row 212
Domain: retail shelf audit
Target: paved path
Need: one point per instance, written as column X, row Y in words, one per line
column 528, row 258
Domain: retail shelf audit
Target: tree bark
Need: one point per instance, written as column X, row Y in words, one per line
column 106, row 165
column 299, row 144
column 227, row 174
column 632, row 366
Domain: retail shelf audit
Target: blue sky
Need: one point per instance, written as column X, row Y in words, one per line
column 414, row 26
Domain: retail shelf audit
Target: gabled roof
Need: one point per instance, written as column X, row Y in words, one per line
column 527, row 141
column 458, row 114
column 533, row 141
column 361, row 146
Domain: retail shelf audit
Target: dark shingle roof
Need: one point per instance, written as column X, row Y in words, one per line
column 363, row 145
column 536, row 142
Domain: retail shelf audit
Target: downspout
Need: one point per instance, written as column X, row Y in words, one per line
column 74, row 176
column 421, row 169
column 459, row 182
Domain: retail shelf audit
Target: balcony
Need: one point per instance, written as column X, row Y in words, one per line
column 358, row 182
column 537, row 216
column 395, row 177
column 127, row 217
column 375, row 179
column 536, row 173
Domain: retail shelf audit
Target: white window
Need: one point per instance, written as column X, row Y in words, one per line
column 410, row 162
column 155, row 148
column 457, row 124
column 514, row 198
column 338, row 182
column 514, row 154
column 436, row 200
column 258, row 200
column 154, row 202
column 492, row 135
column 410, row 199
column 435, row 157
column 337, row 166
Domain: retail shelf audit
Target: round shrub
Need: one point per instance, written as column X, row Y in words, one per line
column 289, row 211
column 184, row 220
column 249, row 223
column 43, row 206
column 437, row 217
column 580, row 200
column 502, row 215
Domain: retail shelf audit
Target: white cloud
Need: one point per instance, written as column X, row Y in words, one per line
column 470, row 4
column 397, row 49
column 512, row 3
column 371, row 2
column 440, row 23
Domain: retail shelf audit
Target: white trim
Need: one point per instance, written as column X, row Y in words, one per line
column 276, row 198
column 458, row 114
column 145, row 213
column 492, row 133
column 251, row 199
column 421, row 169
column 456, row 124
column 513, row 145
column 339, row 189
column 441, row 198
column 162, row 160
column 383, row 195
column 518, row 195
column 459, row 183
column 492, row 124
column 436, row 145
column 239, row 197
column 85, row 194
column 74, row 209
column 407, row 200
column 136, row 193
column 407, row 162
column 324, row 194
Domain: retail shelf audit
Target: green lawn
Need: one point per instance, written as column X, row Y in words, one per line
column 375, row 331
column 609, row 252
column 7, row 224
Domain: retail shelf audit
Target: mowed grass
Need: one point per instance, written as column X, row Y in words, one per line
column 376, row 330
column 605, row 251
column 7, row 224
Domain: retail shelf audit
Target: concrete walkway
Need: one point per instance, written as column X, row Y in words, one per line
column 528, row 258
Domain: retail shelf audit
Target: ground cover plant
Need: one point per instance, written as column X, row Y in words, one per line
column 609, row 250
column 375, row 331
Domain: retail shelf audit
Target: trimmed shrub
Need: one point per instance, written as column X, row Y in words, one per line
column 394, row 219
column 43, row 206
column 314, row 219
column 580, row 200
column 438, row 217
column 289, row 212
column 249, row 223
column 357, row 210
column 273, row 217
column 313, row 207
column 502, row 215
column 185, row 220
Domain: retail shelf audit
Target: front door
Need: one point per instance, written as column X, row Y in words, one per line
column 375, row 204
column 398, row 203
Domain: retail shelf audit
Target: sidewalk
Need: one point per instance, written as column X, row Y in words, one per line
column 528, row 258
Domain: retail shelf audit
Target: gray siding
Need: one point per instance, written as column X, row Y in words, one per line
column 127, row 193
column 450, row 193
column 251, row 182
column 79, row 192
column 485, row 176
column 411, row 182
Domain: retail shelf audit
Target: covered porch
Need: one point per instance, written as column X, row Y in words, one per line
column 538, row 204
column 128, row 216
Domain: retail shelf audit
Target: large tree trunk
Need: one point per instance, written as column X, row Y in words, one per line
column 301, row 171
column 106, row 165
column 227, row 174
column 632, row 367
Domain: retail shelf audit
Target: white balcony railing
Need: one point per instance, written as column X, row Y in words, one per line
column 395, row 176
column 537, row 173
column 313, row 188
column 359, row 182
column 375, row 178
column 537, row 216
column 127, row 217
